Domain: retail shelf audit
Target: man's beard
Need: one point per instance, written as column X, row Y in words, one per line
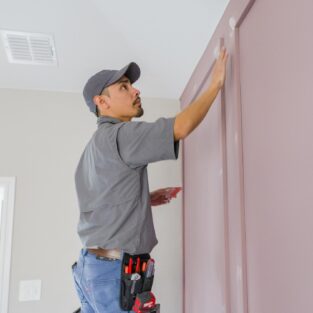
column 140, row 112
column 139, row 109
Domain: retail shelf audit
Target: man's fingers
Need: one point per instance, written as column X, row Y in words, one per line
column 226, row 56
column 223, row 54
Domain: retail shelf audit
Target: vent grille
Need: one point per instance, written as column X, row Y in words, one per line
column 29, row 48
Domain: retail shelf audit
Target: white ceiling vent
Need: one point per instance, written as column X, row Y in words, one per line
column 29, row 48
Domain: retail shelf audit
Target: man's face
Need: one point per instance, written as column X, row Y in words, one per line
column 124, row 100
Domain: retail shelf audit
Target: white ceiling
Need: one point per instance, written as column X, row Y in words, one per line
column 166, row 39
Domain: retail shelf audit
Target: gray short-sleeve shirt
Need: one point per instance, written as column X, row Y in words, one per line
column 112, row 183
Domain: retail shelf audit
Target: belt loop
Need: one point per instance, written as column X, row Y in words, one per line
column 122, row 255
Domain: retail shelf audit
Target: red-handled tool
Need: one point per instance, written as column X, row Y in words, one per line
column 138, row 265
column 130, row 266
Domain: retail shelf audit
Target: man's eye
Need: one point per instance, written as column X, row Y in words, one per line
column 124, row 87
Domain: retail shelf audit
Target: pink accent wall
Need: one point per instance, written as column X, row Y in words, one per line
column 248, row 168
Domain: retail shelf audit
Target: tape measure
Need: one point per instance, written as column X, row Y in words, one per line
column 145, row 302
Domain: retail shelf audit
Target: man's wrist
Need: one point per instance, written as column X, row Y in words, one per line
column 215, row 86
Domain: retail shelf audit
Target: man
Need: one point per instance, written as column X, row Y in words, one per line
column 112, row 182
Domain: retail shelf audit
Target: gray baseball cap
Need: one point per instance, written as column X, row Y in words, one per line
column 96, row 83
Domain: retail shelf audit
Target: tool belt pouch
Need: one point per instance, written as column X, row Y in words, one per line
column 131, row 287
column 147, row 283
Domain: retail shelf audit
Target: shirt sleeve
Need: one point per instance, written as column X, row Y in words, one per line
column 140, row 143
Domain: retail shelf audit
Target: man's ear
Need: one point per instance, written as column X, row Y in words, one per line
column 100, row 101
column 96, row 100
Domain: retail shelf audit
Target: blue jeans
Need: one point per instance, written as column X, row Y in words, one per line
column 97, row 284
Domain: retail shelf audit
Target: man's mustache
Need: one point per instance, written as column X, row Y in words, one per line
column 138, row 99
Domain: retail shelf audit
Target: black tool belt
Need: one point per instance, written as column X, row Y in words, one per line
column 137, row 277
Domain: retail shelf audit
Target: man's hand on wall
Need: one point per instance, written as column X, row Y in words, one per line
column 164, row 195
column 219, row 70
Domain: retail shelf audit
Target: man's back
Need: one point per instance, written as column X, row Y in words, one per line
column 112, row 183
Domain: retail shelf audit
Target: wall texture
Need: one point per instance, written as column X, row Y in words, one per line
column 42, row 135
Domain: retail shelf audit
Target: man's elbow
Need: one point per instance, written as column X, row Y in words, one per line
column 180, row 130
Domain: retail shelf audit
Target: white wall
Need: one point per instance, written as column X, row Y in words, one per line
column 42, row 135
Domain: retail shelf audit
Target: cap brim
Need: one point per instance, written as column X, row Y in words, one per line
column 131, row 71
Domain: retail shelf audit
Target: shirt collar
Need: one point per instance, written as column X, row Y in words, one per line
column 107, row 119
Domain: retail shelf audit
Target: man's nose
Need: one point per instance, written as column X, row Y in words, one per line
column 136, row 91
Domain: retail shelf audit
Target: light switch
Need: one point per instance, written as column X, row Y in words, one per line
column 30, row 290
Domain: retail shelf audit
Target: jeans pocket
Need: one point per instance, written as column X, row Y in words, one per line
column 105, row 295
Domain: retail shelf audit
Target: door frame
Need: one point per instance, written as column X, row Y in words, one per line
column 6, row 232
